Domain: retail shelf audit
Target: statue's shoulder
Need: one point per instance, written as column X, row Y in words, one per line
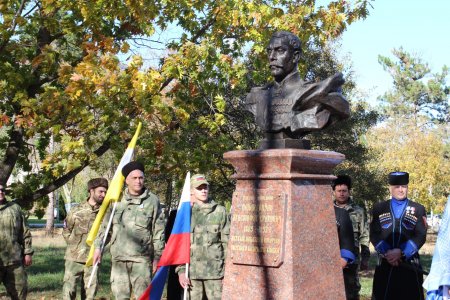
column 261, row 89
column 257, row 92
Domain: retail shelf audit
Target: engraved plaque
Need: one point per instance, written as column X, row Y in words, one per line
column 258, row 226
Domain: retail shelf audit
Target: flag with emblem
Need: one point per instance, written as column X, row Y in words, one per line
column 177, row 250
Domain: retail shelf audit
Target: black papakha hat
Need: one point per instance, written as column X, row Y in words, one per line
column 398, row 178
column 97, row 182
column 131, row 166
column 342, row 179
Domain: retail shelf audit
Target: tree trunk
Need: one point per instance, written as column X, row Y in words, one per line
column 15, row 144
column 50, row 225
column 67, row 191
column 168, row 200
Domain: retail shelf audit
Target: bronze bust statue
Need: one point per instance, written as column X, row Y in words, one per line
column 289, row 108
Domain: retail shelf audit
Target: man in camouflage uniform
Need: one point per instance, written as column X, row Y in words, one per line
column 76, row 228
column 137, row 236
column 15, row 248
column 341, row 192
column 209, row 238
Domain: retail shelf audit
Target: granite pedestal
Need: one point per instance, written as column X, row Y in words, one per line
column 283, row 241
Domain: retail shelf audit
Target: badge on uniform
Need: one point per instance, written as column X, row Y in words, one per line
column 409, row 221
column 410, row 210
column 141, row 206
column 385, row 220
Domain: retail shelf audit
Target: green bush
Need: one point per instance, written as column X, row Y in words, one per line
column 39, row 213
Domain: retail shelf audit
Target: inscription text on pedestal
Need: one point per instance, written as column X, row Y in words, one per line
column 257, row 233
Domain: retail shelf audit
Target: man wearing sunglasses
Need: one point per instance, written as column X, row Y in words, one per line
column 15, row 247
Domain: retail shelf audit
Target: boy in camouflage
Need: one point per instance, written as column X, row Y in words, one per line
column 209, row 238
column 15, row 248
column 76, row 228
column 137, row 236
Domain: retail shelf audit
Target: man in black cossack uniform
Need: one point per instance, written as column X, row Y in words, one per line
column 398, row 230
column 345, row 235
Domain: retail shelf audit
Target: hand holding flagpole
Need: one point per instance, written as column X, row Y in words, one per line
column 102, row 247
column 187, row 286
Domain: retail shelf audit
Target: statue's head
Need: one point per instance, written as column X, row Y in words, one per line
column 284, row 52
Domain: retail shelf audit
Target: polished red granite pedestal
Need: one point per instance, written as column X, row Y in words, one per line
column 283, row 241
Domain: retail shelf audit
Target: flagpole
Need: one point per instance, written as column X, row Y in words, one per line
column 187, row 264
column 187, row 276
column 94, row 269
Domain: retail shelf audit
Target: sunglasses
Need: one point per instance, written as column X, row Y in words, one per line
column 2, row 190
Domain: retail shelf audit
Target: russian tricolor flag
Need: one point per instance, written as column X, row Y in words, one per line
column 177, row 250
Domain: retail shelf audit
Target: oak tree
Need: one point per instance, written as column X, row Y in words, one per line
column 68, row 73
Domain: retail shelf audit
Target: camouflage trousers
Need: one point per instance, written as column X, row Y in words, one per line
column 127, row 276
column 351, row 282
column 210, row 289
column 78, row 272
column 14, row 278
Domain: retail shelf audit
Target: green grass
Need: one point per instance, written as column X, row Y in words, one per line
column 45, row 276
column 34, row 220
column 43, row 221
column 47, row 270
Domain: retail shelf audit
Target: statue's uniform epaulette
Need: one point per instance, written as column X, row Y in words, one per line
column 256, row 94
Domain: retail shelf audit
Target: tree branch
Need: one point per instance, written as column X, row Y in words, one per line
column 30, row 11
column 202, row 30
column 147, row 46
column 68, row 176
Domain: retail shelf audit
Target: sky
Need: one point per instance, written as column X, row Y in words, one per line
column 419, row 26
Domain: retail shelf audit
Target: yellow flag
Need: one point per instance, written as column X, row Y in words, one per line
column 113, row 194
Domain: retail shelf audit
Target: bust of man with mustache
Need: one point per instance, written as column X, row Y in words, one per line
column 290, row 107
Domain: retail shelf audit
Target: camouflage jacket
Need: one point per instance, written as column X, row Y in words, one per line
column 210, row 230
column 15, row 237
column 137, row 228
column 360, row 228
column 76, row 228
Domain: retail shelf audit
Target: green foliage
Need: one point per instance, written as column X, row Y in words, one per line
column 61, row 78
column 39, row 212
column 414, row 135
column 416, row 92
column 400, row 145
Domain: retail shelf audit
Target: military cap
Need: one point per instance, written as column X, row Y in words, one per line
column 131, row 166
column 342, row 179
column 398, row 178
column 197, row 180
column 97, row 182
